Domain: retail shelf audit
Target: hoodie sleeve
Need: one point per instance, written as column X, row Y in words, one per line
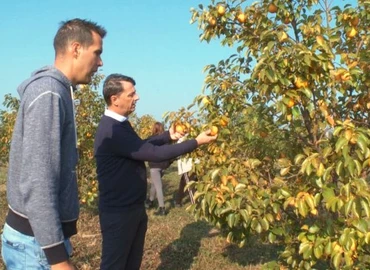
column 41, row 166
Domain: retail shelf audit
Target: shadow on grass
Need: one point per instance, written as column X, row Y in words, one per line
column 181, row 252
column 253, row 253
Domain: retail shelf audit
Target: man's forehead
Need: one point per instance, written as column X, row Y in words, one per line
column 128, row 86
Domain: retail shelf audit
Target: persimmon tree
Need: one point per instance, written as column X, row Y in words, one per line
column 292, row 158
column 7, row 120
column 142, row 125
column 90, row 107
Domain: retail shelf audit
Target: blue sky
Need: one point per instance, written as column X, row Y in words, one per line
column 149, row 40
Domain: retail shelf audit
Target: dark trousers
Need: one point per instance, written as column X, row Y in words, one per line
column 123, row 236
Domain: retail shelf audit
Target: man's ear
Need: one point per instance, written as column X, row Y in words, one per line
column 113, row 99
column 75, row 49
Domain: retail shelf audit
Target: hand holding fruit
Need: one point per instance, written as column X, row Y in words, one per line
column 207, row 136
column 177, row 131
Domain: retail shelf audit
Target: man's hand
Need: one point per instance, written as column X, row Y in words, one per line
column 63, row 266
column 175, row 135
column 205, row 137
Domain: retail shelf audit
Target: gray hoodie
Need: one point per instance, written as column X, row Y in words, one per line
column 42, row 186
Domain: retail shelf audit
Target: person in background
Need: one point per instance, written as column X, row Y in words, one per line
column 184, row 167
column 156, row 173
column 42, row 186
column 120, row 158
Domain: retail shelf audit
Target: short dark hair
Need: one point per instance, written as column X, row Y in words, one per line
column 76, row 30
column 113, row 86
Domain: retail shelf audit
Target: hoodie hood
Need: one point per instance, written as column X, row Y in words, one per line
column 47, row 71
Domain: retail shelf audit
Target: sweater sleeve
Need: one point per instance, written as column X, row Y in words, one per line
column 41, row 162
column 130, row 145
column 160, row 139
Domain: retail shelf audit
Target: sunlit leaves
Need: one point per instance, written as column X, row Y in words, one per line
column 300, row 80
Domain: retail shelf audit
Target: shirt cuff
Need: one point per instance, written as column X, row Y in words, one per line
column 56, row 254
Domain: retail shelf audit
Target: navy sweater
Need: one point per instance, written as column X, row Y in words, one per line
column 120, row 156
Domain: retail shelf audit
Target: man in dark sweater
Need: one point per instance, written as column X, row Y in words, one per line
column 120, row 155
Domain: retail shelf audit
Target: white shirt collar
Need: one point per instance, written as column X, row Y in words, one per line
column 115, row 115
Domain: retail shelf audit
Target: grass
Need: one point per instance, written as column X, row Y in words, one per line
column 175, row 241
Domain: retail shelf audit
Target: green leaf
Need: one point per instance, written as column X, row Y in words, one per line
column 318, row 251
column 264, row 223
column 272, row 237
column 337, row 259
column 245, row 215
column 337, row 130
column 281, row 231
column 367, row 238
column 348, row 259
column 327, row 151
column 302, row 208
column 230, row 237
column 307, row 92
column 340, row 143
column 348, row 207
column 327, row 174
column 214, row 175
column 339, row 168
column 345, row 190
column 310, row 201
column 231, row 220
column 284, row 171
column 296, row 112
column 226, row 210
column 328, row 193
column 298, row 158
column 343, row 239
column 309, row 169
column 314, row 229
column 307, row 254
column 356, row 208
column 204, row 205
column 240, row 187
column 328, row 248
column 365, row 207
column 362, row 144
column 285, row 193
column 271, row 75
column 361, row 225
column 358, row 167
column 198, row 194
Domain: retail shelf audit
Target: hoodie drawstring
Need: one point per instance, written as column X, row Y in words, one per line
column 74, row 113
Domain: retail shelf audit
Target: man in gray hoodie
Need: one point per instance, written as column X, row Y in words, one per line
column 42, row 185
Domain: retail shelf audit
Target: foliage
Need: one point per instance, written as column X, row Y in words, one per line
column 7, row 119
column 89, row 109
column 292, row 158
column 142, row 125
column 174, row 241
